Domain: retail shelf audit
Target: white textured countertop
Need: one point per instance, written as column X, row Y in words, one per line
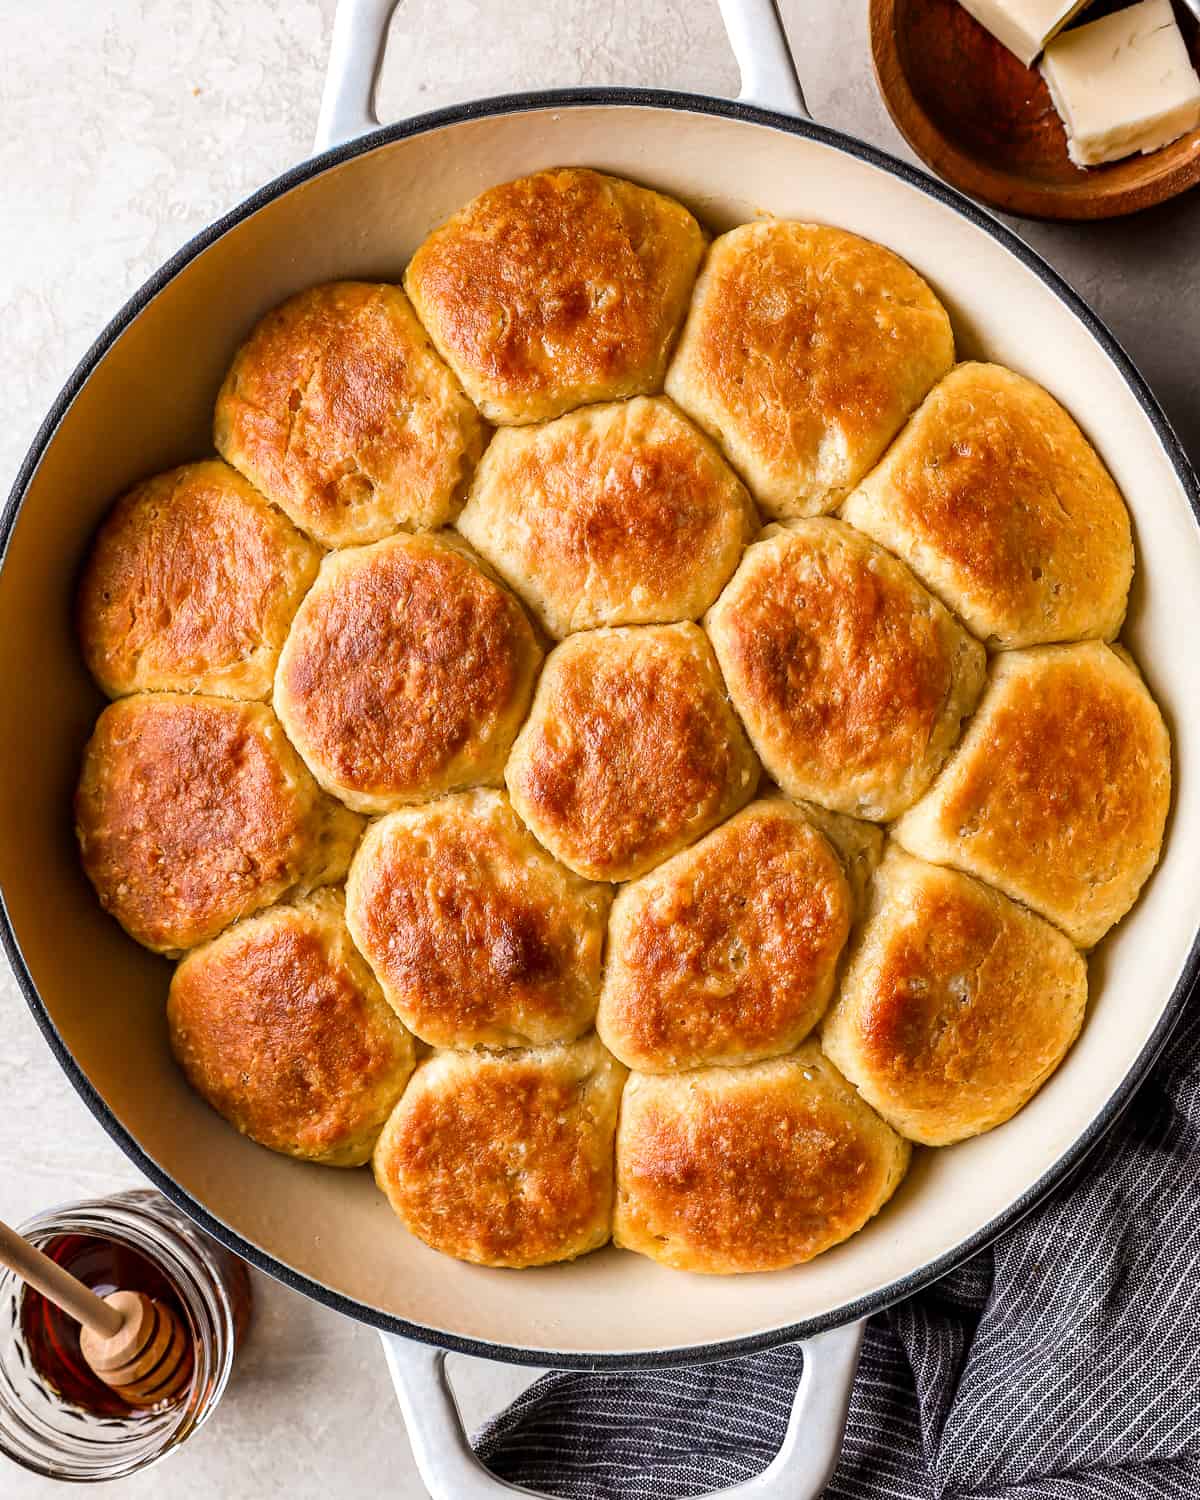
column 125, row 127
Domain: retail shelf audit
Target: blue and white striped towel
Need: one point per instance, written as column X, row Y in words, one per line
column 1062, row 1364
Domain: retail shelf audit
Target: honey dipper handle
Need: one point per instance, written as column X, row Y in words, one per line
column 59, row 1286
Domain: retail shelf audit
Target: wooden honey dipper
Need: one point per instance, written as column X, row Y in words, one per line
column 131, row 1342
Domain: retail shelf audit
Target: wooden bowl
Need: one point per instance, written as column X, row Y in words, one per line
column 983, row 121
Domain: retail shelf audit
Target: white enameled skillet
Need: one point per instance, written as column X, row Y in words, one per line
column 142, row 400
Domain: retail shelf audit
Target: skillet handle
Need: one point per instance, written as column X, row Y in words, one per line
column 799, row 1471
column 756, row 34
column 360, row 28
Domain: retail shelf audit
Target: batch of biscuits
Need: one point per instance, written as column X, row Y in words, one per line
column 626, row 737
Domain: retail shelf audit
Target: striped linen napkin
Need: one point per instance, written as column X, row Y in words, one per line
column 1061, row 1364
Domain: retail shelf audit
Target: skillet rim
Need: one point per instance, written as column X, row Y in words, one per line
column 685, row 103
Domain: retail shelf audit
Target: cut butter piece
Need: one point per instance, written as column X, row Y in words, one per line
column 1123, row 84
column 1024, row 26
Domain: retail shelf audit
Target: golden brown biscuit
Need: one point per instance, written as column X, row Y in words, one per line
column 406, row 673
column 557, row 289
column 1058, row 794
column 615, row 515
column 631, row 750
column 727, row 953
column 477, row 935
column 956, row 1005
column 192, row 812
column 850, row 678
column 1002, row 507
column 191, row 585
column 749, row 1169
column 339, row 410
column 506, row 1158
column 280, row 1026
column 805, row 349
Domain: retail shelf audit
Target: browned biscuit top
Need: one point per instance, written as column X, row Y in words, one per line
column 623, row 514
column 749, row 1169
column 850, row 677
column 1060, row 790
column 631, row 750
column 339, row 410
column 191, row 585
column 1001, row 505
column 505, row 1158
column 478, row 936
column 279, row 1024
column 956, row 1005
column 727, row 952
column 805, row 349
column 406, row 673
column 194, row 811
column 559, row 288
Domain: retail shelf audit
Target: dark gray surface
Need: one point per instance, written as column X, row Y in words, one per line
column 1142, row 275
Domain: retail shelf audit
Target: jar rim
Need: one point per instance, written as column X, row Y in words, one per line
column 46, row 1434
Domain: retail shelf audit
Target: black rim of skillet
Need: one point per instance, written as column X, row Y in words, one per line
column 420, row 125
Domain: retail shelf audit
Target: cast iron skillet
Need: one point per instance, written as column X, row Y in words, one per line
column 141, row 400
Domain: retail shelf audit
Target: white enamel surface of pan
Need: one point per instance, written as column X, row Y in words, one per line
column 142, row 401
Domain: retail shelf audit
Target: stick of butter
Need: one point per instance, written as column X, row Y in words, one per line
column 1123, row 84
column 1024, row 26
